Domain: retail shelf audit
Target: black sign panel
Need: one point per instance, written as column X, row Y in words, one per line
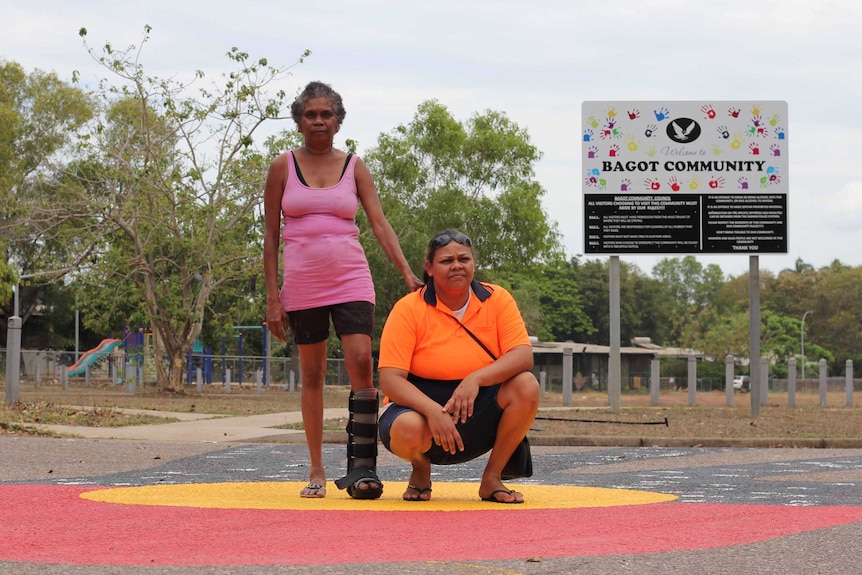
column 685, row 223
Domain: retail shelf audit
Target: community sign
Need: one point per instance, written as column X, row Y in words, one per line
column 690, row 177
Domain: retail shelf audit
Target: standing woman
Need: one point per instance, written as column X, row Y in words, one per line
column 317, row 190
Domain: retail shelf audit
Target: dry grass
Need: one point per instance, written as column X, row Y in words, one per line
column 709, row 418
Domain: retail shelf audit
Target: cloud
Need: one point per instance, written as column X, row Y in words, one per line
column 844, row 207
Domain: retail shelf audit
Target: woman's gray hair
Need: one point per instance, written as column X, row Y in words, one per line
column 318, row 90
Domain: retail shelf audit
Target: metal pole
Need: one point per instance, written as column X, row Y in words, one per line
column 239, row 368
column 692, row 380
column 802, row 341
column 655, row 382
column 791, row 382
column 754, row 332
column 614, row 362
column 728, row 380
column 13, row 359
column 567, row 376
column 267, row 351
column 823, row 383
column 77, row 336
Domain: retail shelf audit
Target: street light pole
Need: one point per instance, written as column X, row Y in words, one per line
column 802, row 341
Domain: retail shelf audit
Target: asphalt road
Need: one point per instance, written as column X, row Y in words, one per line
column 816, row 492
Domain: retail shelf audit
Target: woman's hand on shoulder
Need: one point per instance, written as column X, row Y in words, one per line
column 413, row 282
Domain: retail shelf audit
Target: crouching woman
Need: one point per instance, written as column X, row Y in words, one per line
column 455, row 361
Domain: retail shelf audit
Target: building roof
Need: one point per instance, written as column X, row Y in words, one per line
column 641, row 347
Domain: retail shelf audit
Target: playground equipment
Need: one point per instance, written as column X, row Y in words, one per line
column 88, row 358
column 264, row 334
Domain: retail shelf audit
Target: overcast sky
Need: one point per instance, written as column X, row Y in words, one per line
column 536, row 61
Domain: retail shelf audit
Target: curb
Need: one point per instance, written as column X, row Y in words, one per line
column 340, row 437
column 760, row 442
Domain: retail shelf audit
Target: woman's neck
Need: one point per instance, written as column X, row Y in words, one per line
column 318, row 152
column 454, row 301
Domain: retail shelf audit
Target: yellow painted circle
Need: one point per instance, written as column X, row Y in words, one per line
column 445, row 497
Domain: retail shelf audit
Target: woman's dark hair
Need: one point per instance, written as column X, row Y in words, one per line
column 318, row 90
column 442, row 239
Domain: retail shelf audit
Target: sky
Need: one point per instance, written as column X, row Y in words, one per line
column 535, row 61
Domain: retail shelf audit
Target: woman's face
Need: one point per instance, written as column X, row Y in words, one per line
column 452, row 267
column 318, row 123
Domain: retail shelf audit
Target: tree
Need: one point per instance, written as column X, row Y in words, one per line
column 692, row 288
column 643, row 303
column 39, row 116
column 836, row 323
column 478, row 176
column 168, row 190
column 550, row 300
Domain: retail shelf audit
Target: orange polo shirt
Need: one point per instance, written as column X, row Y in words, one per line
column 423, row 337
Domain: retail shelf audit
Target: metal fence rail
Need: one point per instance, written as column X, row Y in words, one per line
column 48, row 366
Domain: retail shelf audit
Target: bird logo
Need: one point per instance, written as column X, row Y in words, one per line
column 683, row 130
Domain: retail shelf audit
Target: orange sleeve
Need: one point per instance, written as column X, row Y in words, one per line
column 398, row 340
column 511, row 330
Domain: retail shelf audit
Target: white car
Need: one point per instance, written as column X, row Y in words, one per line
column 742, row 383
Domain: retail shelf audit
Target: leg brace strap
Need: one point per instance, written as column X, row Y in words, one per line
column 361, row 437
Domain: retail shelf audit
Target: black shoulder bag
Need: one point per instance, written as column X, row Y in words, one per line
column 521, row 462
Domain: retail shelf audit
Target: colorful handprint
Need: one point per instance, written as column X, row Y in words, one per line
column 653, row 185
column 716, row 183
column 708, row 111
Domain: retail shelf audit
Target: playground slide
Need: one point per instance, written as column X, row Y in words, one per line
column 88, row 358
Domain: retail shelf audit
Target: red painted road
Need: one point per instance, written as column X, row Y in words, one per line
column 53, row 524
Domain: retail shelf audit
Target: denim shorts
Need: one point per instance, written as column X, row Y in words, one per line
column 312, row 325
column 478, row 433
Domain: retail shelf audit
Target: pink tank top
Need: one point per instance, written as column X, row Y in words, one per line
column 324, row 264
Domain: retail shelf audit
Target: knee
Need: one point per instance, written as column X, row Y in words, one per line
column 522, row 392
column 313, row 376
column 359, row 361
column 407, row 434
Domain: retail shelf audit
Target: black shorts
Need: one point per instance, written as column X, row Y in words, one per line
column 312, row 325
column 478, row 433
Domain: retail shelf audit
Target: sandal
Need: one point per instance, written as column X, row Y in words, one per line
column 313, row 491
column 510, row 492
column 419, row 493
column 361, row 476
